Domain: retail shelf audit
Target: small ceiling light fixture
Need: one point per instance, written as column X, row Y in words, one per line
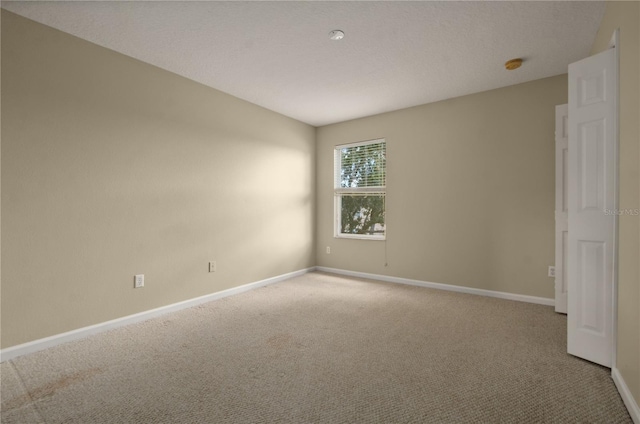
column 336, row 35
column 513, row 64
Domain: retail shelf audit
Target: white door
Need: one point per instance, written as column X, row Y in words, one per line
column 592, row 185
column 562, row 226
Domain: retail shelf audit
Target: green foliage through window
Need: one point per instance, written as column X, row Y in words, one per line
column 362, row 215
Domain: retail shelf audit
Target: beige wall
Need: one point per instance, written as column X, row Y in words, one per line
column 470, row 190
column 626, row 16
column 112, row 167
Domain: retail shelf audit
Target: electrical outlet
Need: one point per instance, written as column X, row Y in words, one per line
column 328, row 250
column 138, row 281
column 552, row 271
column 212, row 266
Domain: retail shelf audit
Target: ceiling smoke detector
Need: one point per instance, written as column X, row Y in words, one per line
column 513, row 64
column 336, row 35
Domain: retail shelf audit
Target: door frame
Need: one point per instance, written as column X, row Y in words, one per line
column 561, row 212
column 614, row 43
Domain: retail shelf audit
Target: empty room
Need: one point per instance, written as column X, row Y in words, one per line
column 320, row 212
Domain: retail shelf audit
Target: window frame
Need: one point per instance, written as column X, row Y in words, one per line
column 338, row 192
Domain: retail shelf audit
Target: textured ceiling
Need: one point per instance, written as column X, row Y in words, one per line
column 278, row 54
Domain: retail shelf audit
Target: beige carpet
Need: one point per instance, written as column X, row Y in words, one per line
column 320, row 349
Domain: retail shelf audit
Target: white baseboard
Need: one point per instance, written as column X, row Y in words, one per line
column 627, row 397
column 41, row 344
column 449, row 287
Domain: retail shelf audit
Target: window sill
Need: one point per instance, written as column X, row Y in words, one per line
column 360, row 237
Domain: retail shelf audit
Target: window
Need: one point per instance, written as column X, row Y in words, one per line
column 359, row 190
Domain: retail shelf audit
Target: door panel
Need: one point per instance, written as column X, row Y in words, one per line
column 590, row 151
column 591, row 193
